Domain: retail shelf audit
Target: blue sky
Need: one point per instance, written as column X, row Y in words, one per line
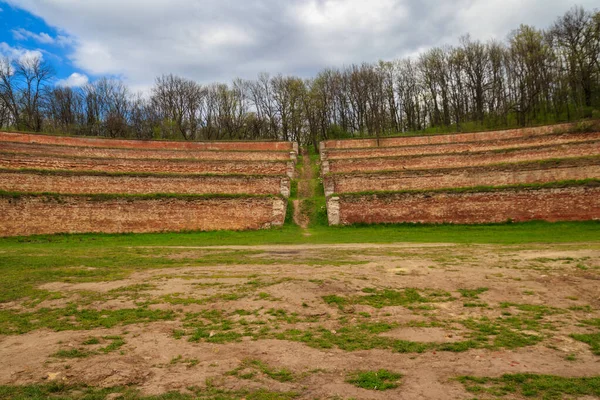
column 219, row 40
column 23, row 31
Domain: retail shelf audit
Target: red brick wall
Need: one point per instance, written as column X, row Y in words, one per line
column 90, row 184
column 141, row 144
column 534, row 141
column 17, row 161
column 457, row 160
column 564, row 204
column 453, row 138
column 464, row 177
column 28, row 148
column 31, row 215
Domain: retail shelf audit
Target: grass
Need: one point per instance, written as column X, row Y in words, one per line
column 374, row 380
column 388, row 297
column 532, row 386
column 501, row 233
column 593, row 339
column 279, row 375
column 72, row 353
column 472, row 293
column 61, row 391
column 74, row 318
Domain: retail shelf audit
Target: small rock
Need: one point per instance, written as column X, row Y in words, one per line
column 52, row 376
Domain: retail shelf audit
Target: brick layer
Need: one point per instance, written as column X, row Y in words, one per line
column 454, row 138
column 458, row 160
column 18, row 161
column 142, row 144
column 41, row 149
column 533, row 141
column 564, row 204
column 30, row 215
column 468, row 177
column 90, row 184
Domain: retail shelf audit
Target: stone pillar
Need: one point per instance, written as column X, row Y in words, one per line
column 324, row 168
column 333, row 210
column 279, row 208
column 329, row 185
column 291, row 169
column 322, row 147
column 285, row 187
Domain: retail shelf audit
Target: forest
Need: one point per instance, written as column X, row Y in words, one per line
column 535, row 76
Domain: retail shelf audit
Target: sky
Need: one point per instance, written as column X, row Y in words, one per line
column 219, row 40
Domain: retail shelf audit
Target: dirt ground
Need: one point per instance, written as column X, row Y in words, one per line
column 320, row 312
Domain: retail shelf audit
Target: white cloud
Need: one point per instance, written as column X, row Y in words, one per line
column 74, row 80
column 18, row 54
column 217, row 40
column 42, row 37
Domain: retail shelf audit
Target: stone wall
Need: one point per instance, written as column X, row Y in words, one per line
column 18, row 161
column 450, row 138
column 457, row 160
column 557, row 204
column 101, row 152
column 509, row 174
column 29, row 215
column 143, row 144
column 533, row 141
column 34, row 182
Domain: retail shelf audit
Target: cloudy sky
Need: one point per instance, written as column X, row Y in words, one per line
column 218, row 40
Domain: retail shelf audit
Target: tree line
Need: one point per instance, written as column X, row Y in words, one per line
column 535, row 76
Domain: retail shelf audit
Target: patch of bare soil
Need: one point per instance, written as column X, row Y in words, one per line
column 300, row 218
column 279, row 295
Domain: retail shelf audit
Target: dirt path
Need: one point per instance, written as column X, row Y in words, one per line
column 305, row 191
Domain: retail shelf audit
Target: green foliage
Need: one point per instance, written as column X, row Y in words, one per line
column 374, row 380
column 337, row 132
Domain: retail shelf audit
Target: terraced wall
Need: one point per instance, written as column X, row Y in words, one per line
column 25, row 214
column 571, row 203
